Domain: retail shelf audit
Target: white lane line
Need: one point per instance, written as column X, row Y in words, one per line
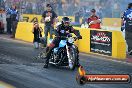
column 105, row 58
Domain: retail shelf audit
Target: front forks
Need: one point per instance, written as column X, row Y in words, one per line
column 68, row 55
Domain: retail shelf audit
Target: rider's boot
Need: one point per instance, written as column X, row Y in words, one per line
column 48, row 51
column 78, row 64
column 46, row 63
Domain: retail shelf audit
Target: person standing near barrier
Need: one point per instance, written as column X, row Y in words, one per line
column 37, row 34
column 8, row 20
column 94, row 21
column 49, row 17
column 14, row 20
column 127, row 26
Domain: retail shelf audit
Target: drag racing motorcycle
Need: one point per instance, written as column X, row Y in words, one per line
column 66, row 54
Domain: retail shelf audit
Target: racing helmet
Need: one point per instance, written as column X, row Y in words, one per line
column 65, row 21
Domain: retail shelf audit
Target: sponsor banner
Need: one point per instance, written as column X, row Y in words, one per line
column 32, row 18
column 101, row 42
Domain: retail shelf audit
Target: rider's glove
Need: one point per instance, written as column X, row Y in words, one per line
column 122, row 29
column 80, row 37
column 69, row 35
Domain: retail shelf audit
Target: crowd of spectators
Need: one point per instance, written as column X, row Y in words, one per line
column 109, row 8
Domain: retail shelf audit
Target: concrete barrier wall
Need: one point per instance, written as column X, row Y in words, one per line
column 113, row 22
column 118, row 45
column 24, row 31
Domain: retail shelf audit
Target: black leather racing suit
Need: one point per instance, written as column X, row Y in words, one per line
column 60, row 31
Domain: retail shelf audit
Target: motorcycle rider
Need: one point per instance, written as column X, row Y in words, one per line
column 64, row 29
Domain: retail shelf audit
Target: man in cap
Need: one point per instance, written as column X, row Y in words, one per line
column 94, row 21
column 49, row 17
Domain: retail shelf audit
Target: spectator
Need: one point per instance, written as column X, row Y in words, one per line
column 126, row 25
column 94, row 21
column 2, row 4
column 85, row 16
column 49, row 18
column 78, row 15
column 1, row 27
column 116, row 10
column 60, row 11
column 37, row 34
column 8, row 20
column 14, row 20
column 29, row 9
